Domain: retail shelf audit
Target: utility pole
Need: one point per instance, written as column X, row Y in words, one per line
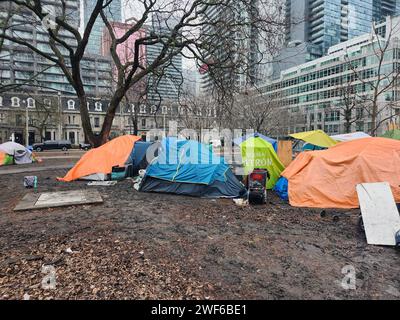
column 26, row 126
column 59, row 117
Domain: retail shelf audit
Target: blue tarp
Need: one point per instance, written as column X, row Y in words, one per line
column 187, row 161
column 311, row 147
column 281, row 188
column 190, row 168
column 240, row 140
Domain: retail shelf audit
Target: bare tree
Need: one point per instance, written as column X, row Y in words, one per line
column 44, row 115
column 351, row 106
column 379, row 82
column 183, row 37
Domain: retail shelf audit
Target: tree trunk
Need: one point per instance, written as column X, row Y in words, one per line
column 85, row 118
column 348, row 126
column 135, row 126
column 109, row 118
column 374, row 118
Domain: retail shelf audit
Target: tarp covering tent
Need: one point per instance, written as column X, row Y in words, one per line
column 20, row 154
column 5, row 159
column 328, row 178
column 259, row 154
column 190, row 168
column 240, row 140
column 281, row 188
column 350, row 136
column 316, row 137
column 97, row 163
column 392, row 134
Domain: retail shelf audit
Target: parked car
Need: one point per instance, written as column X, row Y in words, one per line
column 64, row 145
column 85, row 146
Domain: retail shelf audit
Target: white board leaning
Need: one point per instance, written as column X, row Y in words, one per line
column 379, row 212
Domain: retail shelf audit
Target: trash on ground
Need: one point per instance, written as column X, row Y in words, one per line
column 102, row 183
column 30, row 182
column 241, row 202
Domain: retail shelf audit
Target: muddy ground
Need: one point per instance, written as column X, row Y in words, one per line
column 141, row 245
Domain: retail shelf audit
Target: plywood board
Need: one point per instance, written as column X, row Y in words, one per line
column 379, row 212
column 33, row 201
column 285, row 150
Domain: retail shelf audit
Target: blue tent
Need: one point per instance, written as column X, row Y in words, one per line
column 281, row 188
column 311, row 147
column 190, row 168
column 138, row 156
column 240, row 140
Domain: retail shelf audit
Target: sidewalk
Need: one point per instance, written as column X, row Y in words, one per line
column 13, row 170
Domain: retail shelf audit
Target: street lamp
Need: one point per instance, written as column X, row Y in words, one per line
column 59, row 116
column 26, row 126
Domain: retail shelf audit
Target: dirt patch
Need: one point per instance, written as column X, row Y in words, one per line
column 193, row 248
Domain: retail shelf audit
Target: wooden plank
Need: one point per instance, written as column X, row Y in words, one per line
column 33, row 201
column 379, row 211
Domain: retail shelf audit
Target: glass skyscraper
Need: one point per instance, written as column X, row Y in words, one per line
column 113, row 12
column 328, row 22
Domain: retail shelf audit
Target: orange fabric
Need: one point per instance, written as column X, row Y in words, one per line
column 328, row 178
column 102, row 159
column 2, row 158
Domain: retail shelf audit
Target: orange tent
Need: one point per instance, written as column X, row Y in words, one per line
column 102, row 159
column 328, row 178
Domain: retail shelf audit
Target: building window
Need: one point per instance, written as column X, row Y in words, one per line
column 18, row 119
column 143, row 123
column 71, row 104
column 153, row 109
column 98, row 106
column 142, row 108
column 1, row 101
column 47, row 102
column 97, row 122
column 15, row 102
column 30, row 102
column 2, row 118
column 71, row 119
column 164, row 110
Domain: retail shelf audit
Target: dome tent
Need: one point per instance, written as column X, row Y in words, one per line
column 188, row 167
column 97, row 163
column 259, row 154
column 238, row 141
column 19, row 154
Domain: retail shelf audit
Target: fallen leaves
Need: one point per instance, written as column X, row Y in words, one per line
column 106, row 269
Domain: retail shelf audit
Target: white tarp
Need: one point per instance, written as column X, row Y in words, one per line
column 379, row 212
column 19, row 152
column 350, row 136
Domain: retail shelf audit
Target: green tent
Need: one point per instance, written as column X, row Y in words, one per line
column 392, row 134
column 260, row 154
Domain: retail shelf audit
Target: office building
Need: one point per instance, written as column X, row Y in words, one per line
column 313, row 26
column 164, row 85
column 30, row 71
column 113, row 12
column 313, row 93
